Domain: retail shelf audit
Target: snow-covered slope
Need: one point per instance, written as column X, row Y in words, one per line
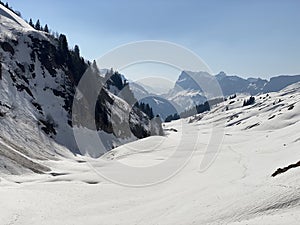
column 9, row 19
column 27, row 101
column 236, row 189
column 37, row 85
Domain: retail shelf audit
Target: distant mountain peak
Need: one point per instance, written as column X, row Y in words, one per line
column 222, row 74
column 188, row 80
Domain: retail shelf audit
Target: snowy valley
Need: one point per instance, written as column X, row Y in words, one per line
column 236, row 163
column 238, row 187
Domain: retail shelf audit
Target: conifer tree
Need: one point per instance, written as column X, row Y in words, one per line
column 38, row 25
column 46, row 29
column 31, row 23
column 77, row 51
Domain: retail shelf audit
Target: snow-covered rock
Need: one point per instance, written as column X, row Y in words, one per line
column 37, row 85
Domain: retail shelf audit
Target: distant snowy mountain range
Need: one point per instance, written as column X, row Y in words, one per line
column 188, row 93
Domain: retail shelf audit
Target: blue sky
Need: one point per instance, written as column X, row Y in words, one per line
column 248, row 38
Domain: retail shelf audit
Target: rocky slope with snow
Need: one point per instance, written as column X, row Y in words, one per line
column 38, row 74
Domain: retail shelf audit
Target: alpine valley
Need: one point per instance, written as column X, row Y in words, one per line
column 252, row 178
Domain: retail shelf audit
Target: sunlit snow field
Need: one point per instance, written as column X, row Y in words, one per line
column 236, row 189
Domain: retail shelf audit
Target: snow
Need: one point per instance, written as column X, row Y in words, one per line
column 186, row 99
column 7, row 13
column 236, row 189
column 158, row 101
column 10, row 23
column 24, row 111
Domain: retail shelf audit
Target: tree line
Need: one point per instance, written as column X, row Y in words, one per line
column 114, row 78
column 38, row 26
column 200, row 108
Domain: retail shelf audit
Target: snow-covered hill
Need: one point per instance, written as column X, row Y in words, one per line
column 38, row 74
column 236, row 189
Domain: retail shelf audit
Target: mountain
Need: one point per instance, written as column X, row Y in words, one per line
column 184, row 95
column 139, row 91
column 280, row 82
column 158, row 87
column 188, row 89
column 235, row 84
column 38, row 77
column 160, row 105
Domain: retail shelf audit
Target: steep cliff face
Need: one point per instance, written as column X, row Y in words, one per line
column 38, row 76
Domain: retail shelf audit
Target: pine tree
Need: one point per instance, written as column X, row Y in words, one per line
column 63, row 43
column 169, row 118
column 63, row 54
column 31, row 23
column 77, row 51
column 46, row 29
column 151, row 114
column 95, row 67
column 38, row 25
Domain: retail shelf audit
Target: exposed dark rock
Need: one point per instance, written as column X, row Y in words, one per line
column 251, row 126
column 37, row 106
column 272, row 117
column 285, row 169
column 21, row 87
column 48, row 127
column 21, row 67
column 59, row 93
column 31, row 68
column 291, row 107
column 7, row 48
